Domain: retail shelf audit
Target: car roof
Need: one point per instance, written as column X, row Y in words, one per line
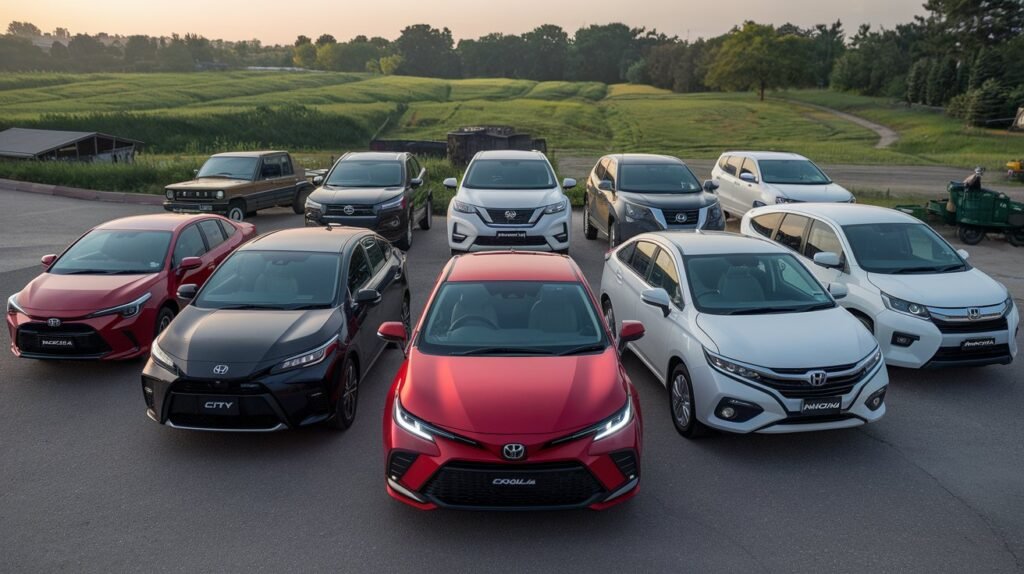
column 154, row 222
column 715, row 242
column 374, row 156
column 331, row 239
column 509, row 154
column 513, row 266
column 247, row 153
column 844, row 213
column 644, row 158
column 766, row 154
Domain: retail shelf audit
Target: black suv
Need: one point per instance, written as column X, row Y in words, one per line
column 376, row 190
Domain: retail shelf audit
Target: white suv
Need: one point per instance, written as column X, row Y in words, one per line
column 926, row 305
column 748, row 179
column 744, row 337
column 509, row 199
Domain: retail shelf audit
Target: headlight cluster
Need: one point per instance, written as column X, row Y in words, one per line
column 730, row 368
column 169, row 194
column 715, row 211
column 781, row 199
column 876, row 358
column 605, row 428
column 556, row 207
column 393, row 203
column 636, row 212
column 12, row 305
column 906, row 307
column 309, row 358
column 127, row 310
column 160, row 357
column 314, row 206
column 421, row 429
column 463, row 207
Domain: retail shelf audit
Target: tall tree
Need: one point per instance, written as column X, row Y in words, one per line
column 305, row 55
column 757, row 57
column 302, row 39
column 546, row 53
column 602, row 53
column 427, row 51
column 27, row 29
column 325, row 39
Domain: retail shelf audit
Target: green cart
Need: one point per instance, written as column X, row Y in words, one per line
column 976, row 212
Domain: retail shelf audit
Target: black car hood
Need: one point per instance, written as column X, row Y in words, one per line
column 332, row 195
column 689, row 200
column 245, row 340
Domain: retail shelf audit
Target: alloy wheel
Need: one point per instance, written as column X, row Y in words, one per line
column 406, row 317
column 682, row 404
column 350, row 393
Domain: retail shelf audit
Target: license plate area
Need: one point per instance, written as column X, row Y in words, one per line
column 205, row 207
column 48, row 342
column 972, row 344
column 218, row 406
column 822, row 406
column 511, row 235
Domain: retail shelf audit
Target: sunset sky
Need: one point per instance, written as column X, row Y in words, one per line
column 280, row 22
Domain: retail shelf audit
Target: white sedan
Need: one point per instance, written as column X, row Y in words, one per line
column 749, row 179
column 742, row 334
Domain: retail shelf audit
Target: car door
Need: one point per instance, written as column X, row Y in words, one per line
column 389, row 280
column 602, row 209
column 417, row 195
column 728, row 184
column 595, row 195
column 190, row 243
column 382, row 280
column 275, row 187
column 749, row 192
column 631, row 276
column 821, row 238
column 359, row 275
column 661, row 330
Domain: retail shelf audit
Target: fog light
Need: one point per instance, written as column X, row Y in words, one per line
column 728, row 412
column 903, row 339
column 394, row 222
column 456, row 236
column 737, row 411
column 564, row 235
column 875, row 400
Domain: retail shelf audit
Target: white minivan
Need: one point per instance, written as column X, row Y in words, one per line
column 509, row 200
column 749, row 179
column 922, row 299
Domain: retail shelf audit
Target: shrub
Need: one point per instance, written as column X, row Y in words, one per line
column 144, row 176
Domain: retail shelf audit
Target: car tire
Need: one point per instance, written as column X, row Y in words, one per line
column 236, row 210
column 299, row 203
column 1016, row 237
column 348, row 397
column 428, row 215
column 406, row 241
column 613, row 234
column 163, row 319
column 970, row 234
column 589, row 231
column 406, row 316
column 609, row 319
column 681, row 406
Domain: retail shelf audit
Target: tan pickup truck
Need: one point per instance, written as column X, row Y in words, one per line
column 238, row 184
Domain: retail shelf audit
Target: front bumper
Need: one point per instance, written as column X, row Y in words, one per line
column 987, row 342
column 263, row 403
column 109, row 338
column 469, row 232
column 629, row 227
column 212, row 206
column 390, row 224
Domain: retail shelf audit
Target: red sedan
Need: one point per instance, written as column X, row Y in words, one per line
column 512, row 394
column 113, row 290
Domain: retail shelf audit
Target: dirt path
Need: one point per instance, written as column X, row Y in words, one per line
column 886, row 135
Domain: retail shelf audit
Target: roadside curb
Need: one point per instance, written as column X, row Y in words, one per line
column 78, row 193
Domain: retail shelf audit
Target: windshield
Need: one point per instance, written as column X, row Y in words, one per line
column 273, row 280
column 509, row 174
column 110, row 251
column 511, row 317
column 753, row 284
column 792, row 171
column 229, row 167
column 358, row 173
column 657, row 178
column 901, row 248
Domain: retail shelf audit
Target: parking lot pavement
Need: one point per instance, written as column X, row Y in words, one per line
column 89, row 484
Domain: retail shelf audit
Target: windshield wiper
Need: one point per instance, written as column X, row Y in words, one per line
column 583, row 349
column 310, row 307
column 760, row 311
column 246, row 306
column 505, row 351
column 813, row 307
column 928, row 269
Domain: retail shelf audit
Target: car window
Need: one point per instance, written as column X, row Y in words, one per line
column 902, row 248
column 642, row 257
column 354, row 172
column 271, row 167
column 507, row 174
column 359, row 270
column 416, row 167
column 753, row 283
column 212, row 232
column 190, row 244
column 793, row 172
column 766, row 224
column 820, row 239
column 600, row 170
column 749, row 166
column 105, row 251
column 665, row 275
column 625, row 253
column 385, row 247
column 273, row 280
column 374, row 253
column 610, row 172
column 412, row 169
column 658, row 178
column 229, row 167
column 286, row 165
column 723, row 164
column 734, row 165
column 227, row 228
column 791, row 231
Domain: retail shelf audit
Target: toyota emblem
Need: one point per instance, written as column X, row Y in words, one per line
column 974, row 313
column 680, row 217
column 348, row 210
column 53, row 322
column 510, row 214
column 817, row 378
column 220, row 370
column 513, row 451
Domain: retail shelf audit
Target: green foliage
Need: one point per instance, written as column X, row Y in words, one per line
column 988, row 102
column 637, row 73
column 759, row 57
column 305, row 55
column 145, row 175
column 427, row 51
column 917, row 81
column 987, row 65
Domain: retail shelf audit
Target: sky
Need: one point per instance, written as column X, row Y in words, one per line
column 280, row 22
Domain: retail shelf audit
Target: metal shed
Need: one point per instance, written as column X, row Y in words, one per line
column 23, row 143
column 464, row 143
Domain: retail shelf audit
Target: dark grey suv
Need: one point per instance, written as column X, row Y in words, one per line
column 381, row 191
column 629, row 194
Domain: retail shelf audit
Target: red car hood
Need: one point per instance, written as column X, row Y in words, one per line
column 513, row 395
column 69, row 296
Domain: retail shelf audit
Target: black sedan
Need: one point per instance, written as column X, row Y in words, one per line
column 280, row 335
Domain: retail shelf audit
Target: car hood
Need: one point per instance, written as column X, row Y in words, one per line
column 691, row 200
column 821, row 193
column 244, row 340
column 70, row 296
column 506, row 198
column 781, row 341
column 332, row 195
column 208, row 183
column 513, row 395
column 970, row 288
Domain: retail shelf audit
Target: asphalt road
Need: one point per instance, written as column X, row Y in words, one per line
column 89, row 484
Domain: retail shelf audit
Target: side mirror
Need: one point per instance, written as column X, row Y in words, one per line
column 838, row 290
column 748, row 177
column 393, row 332
column 827, row 259
column 710, row 186
column 187, row 292
column 630, row 331
column 415, row 182
column 657, row 298
column 604, row 185
column 189, row 263
column 568, row 183
column 368, row 297
column 961, row 252
column 47, row 260
column 451, row 183
column 195, row 172
column 317, row 180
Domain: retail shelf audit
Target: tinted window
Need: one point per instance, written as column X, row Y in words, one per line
column 190, row 244
column 374, row 252
column 271, row 167
column 611, row 172
column 749, row 167
column 665, row 275
column 901, row 248
column 657, row 178
column 625, row 253
column 734, row 165
column 642, row 257
column 286, row 166
column 227, row 228
column 360, row 173
column 600, row 171
column 766, row 224
column 792, row 171
column 509, row 174
column 723, row 164
column 359, row 271
column 752, row 284
column 115, row 251
column 791, row 231
column 273, row 280
column 412, row 169
column 820, row 239
column 229, row 167
column 212, row 231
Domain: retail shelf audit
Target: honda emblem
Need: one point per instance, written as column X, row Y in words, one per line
column 817, row 378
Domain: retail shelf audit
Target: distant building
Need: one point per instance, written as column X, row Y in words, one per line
column 21, row 143
column 464, row 143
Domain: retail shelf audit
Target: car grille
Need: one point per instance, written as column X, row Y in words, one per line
column 219, row 387
column 529, row 240
column 358, row 210
column 692, row 216
column 400, row 462
column 466, row 484
column 195, row 196
column 85, row 341
column 254, row 413
column 952, row 354
column 834, row 385
column 999, row 324
column 522, row 215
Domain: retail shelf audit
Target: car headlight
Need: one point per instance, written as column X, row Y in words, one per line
column 853, row 198
column 781, row 199
column 635, row 212
column 127, row 310
column 874, row 359
column 730, row 368
column 463, row 207
column 421, row 429
column 309, row 358
column 906, row 307
column 160, row 357
column 714, row 212
column 12, row 305
column 219, row 195
column 169, row 194
column 310, row 204
column 616, row 422
column 393, row 203
column 556, row 207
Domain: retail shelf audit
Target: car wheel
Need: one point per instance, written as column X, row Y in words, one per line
column 299, row 203
column 609, row 318
column 970, row 235
column 681, row 404
column 613, row 234
column 236, row 210
column 348, row 397
column 163, row 319
column 428, row 216
column 1016, row 238
column 407, row 316
column 589, row 231
column 406, row 241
